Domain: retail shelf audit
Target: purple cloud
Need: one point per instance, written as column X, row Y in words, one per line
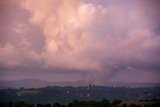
column 95, row 41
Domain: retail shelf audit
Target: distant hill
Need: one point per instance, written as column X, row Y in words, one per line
column 132, row 85
column 26, row 83
column 35, row 83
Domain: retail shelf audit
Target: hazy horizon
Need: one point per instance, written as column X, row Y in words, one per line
column 95, row 41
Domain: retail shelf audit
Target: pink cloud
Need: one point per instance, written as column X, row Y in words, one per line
column 83, row 36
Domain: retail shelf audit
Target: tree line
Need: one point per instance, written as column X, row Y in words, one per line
column 76, row 103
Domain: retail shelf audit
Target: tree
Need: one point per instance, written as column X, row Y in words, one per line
column 124, row 105
column 116, row 102
column 20, row 104
column 56, row 105
column 105, row 103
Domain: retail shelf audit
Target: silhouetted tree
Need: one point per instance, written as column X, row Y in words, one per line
column 124, row 105
column 20, row 104
column 116, row 102
column 105, row 103
column 56, row 105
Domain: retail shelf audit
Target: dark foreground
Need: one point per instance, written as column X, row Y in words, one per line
column 75, row 103
column 65, row 95
column 87, row 96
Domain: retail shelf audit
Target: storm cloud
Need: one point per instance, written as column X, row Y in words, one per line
column 90, row 40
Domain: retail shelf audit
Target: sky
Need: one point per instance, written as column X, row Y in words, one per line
column 95, row 41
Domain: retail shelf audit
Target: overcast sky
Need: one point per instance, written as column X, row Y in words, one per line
column 71, row 40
